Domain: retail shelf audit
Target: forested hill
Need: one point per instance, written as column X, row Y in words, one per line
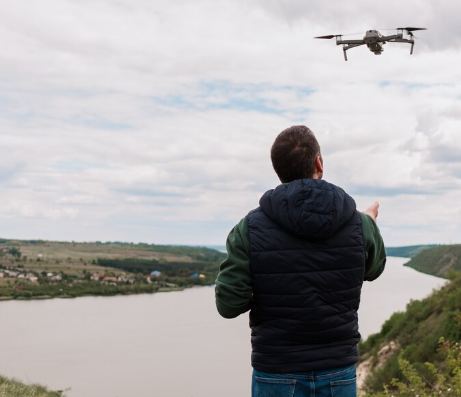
column 408, row 251
column 438, row 261
column 429, row 331
column 413, row 338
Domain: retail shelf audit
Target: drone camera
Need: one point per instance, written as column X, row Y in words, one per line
column 375, row 47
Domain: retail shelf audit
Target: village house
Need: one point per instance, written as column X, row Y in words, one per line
column 32, row 277
column 155, row 274
column 197, row 275
column 110, row 279
column 122, row 278
column 97, row 276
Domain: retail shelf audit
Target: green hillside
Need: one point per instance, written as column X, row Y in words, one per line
column 414, row 335
column 13, row 388
column 438, row 261
column 408, row 251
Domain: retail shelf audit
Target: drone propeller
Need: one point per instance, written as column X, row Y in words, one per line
column 411, row 29
column 328, row 37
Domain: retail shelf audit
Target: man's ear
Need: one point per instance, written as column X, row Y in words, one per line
column 319, row 165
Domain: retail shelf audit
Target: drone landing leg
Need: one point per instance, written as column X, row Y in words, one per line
column 411, row 50
column 348, row 45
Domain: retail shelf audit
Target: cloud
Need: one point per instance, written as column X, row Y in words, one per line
column 261, row 98
column 153, row 121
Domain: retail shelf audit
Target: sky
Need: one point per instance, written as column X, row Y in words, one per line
column 152, row 121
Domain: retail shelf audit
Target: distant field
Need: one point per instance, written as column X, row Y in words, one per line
column 89, row 251
column 73, row 258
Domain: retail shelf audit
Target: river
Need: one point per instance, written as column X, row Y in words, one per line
column 163, row 345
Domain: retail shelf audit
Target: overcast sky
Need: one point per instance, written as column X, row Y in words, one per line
column 152, row 121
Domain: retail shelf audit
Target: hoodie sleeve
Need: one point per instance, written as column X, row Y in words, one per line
column 234, row 290
column 375, row 253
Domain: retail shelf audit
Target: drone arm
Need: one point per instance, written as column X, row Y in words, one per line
column 354, row 42
column 402, row 40
column 409, row 41
column 391, row 37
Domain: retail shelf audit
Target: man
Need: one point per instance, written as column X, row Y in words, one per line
column 298, row 262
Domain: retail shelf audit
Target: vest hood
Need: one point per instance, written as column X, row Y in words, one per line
column 309, row 208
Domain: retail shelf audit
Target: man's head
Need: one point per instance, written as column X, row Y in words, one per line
column 295, row 154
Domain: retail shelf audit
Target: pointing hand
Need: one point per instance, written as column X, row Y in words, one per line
column 372, row 210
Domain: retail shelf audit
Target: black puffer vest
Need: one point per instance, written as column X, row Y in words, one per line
column 307, row 260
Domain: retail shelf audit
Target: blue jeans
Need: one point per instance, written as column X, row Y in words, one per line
column 339, row 382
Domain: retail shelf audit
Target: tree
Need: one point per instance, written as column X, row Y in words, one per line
column 16, row 252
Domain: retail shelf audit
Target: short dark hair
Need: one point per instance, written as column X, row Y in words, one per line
column 293, row 153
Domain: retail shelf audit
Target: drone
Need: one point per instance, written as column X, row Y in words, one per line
column 375, row 40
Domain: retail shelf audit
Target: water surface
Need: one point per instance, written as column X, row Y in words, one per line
column 163, row 345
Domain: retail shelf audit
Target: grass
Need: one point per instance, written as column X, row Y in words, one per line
column 3, row 282
column 14, row 388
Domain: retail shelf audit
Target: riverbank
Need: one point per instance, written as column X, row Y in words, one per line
column 417, row 335
column 14, row 388
column 31, row 270
column 124, row 293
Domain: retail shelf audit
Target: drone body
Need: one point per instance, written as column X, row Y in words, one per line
column 374, row 40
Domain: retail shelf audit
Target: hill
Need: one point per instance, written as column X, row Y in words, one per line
column 414, row 335
column 408, row 251
column 43, row 269
column 437, row 261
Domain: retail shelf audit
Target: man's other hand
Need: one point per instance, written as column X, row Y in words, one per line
column 372, row 210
